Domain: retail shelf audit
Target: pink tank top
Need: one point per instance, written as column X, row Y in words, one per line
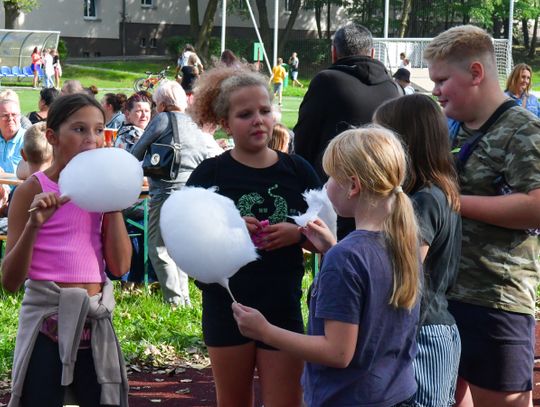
column 68, row 247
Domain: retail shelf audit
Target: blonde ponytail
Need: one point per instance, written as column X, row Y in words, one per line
column 375, row 156
column 402, row 236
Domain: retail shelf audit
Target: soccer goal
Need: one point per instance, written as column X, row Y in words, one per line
column 387, row 51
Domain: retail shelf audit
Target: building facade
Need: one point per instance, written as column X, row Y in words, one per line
column 93, row 28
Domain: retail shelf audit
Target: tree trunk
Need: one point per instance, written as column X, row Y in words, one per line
column 290, row 24
column 12, row 12
column 328, row 24
column 497, row 25
column 525, row 29
column 466, row 12
column 264, row 26
column 411, row 20
column 446, row 16
column 406, row 10
column 318, row 20
column 203, row 39
column 194, row 18
column 532, row 49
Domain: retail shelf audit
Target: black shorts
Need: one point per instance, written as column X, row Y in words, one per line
column 220, row 329
column 497, row 347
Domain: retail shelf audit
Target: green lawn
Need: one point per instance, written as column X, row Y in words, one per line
column 149, row 331
column 29, row 102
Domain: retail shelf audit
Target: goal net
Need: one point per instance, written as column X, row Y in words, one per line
column 387, row 51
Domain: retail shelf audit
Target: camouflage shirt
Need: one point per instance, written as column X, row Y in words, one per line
column 499, row 267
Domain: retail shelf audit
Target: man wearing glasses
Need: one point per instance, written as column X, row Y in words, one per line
column 11, row 133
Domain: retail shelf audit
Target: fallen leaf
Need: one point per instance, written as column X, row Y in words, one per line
column 183, row 391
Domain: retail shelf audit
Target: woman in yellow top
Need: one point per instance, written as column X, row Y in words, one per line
column 277, row 78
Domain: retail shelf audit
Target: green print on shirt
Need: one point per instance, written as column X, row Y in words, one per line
column 248, row 201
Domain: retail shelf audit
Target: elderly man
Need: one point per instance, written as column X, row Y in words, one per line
column 346, row 94
column 11, row 133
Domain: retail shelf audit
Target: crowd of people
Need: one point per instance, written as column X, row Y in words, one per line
column 426, row 296
column 47, row 64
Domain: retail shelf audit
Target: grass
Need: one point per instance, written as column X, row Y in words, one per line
column 147, row 328
column 149, row 331
column 107, row 77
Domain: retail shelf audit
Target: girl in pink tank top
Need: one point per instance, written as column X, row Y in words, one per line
column 52, row 240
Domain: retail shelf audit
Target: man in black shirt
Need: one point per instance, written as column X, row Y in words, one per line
column 346, row 94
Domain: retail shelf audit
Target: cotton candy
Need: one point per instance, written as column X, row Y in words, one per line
column 102, row 180
column 319, row 206
column 205, row 235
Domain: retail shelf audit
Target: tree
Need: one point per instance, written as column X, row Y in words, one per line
column 13, row 8
column 317, row 6
column 194, row 18
column 205, row 32
column 407, row 6
column 239, row 7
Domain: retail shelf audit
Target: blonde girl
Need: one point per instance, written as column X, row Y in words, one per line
column 364, row 304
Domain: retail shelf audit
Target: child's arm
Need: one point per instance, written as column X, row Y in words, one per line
column 514, row 211
column 23, row 230
column 335, row 349
column 116, row 243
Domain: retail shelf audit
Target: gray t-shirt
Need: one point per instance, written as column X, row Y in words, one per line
column 440, row 228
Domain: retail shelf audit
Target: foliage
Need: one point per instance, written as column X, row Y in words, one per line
column 149, row 330
column 62, row 50
column 241, row 47
column 13, row 8
column 22, row 5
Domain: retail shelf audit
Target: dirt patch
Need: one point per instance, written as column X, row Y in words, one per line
column 187, row 386
column 179, row 387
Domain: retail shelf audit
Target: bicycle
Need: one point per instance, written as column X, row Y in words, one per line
column 151, row 80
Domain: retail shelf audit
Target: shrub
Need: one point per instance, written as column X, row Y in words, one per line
column 62, row 50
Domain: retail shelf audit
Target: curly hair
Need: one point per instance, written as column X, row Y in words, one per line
column 213, row 90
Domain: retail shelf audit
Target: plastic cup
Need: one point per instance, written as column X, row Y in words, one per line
column 109, row 135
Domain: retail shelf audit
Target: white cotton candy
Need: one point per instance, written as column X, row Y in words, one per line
column 319, row 206
column 102, row 180
column 205, row 235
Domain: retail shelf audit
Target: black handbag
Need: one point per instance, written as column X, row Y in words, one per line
column 163, row 160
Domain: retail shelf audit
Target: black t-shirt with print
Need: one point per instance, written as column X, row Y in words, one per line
column 272, row 193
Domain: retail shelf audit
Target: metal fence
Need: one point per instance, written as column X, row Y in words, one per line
column 387, row 51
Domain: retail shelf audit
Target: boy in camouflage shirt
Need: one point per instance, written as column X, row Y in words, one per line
column 493, row 299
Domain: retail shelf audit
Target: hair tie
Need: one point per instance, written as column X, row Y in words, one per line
column 397, row 189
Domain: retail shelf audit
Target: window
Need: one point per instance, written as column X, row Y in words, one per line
column 153, row 43
column 90, row 11
column 287, row 5
column 142, row 42
column 147, row 3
